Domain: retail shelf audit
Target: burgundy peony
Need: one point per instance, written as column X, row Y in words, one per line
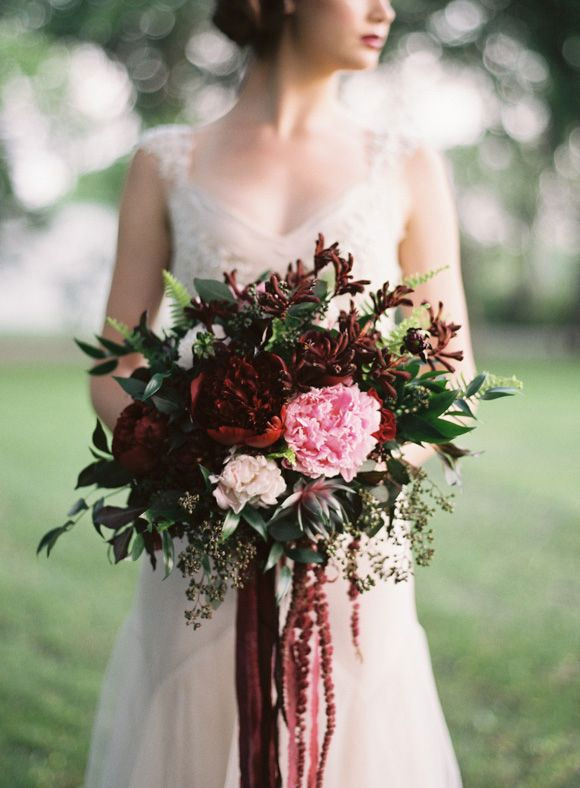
column 138, row 438
column 240, row 401
column 388, row 427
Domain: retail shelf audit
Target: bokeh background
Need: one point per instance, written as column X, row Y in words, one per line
column 495, row 84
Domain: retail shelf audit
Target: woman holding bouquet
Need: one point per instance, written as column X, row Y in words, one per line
column 251, row 191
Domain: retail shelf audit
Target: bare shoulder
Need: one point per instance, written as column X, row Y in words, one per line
column 427, row 180
column 425, row 166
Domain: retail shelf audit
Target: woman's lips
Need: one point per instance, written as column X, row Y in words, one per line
column 375, row 42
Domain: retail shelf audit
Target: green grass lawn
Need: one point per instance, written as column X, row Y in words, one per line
column 500, row 603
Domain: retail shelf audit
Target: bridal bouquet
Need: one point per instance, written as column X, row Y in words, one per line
column 263, row 443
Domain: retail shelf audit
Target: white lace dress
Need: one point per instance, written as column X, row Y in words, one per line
column 167, row 717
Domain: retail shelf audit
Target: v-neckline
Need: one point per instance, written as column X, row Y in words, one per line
column 217, row 205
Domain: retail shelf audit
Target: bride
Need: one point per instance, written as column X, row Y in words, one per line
column 252, row 190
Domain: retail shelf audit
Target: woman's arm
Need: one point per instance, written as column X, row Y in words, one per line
column 143, row 250
column 431, row 240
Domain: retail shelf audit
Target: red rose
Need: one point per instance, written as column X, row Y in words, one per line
column 138, row 438
column 387, row 430
column 241, row 401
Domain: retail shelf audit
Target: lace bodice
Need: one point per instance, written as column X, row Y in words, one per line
column 209, row 238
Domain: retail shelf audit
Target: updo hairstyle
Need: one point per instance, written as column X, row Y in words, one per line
column 238, row 21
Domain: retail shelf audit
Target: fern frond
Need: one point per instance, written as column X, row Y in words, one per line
column 366, row 308
column 414, row 280
column 121, row 327
column 177, row 293
column 132, row 338
column 491, row 381
column 394, row 339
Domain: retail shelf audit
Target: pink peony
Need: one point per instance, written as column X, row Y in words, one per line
column 331, row 430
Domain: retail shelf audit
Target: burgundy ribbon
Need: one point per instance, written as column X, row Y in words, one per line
column 257, row 644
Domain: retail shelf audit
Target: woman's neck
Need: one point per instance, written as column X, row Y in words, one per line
column 284, row 99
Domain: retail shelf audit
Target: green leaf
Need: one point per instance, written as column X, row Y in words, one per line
column 90, row 350
column 499, row 391
column 413, row 367
column 433, row 385
column 116, row 516
column 98, row 504
column 165, row 405
column 50, row 537
column 120, row 544
column 164, row 505
column 254, row 518
column 231, row 522
column 432, row 373
column 205, row 472
column 417, row 428
column 464, row 407
column 77, row 507
column 450, row 429
column 398, row 471
column 100, row 439
column 320, row 288
column 284, row 530
column 137, row 547
column 304, row 308
column 304, row 556
column 133, row 386
column 104, row 473
column 475, row 384
column 114, row 347
column 441, row 402
column 276, row 551
column 154, row 385
column 283, row 583
column 104, row 368
column 213, row 290
column 168, row 553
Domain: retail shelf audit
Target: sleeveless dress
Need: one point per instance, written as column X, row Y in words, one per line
column 167, row 716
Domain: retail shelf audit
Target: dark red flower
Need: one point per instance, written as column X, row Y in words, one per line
column 278, row 296
column 323, row 359
column 240, row 401
column 416, row 342
column 342, row 267
column 182, row 465
column 387, row 430
column 442, row 333
column 138, row 438
column 384, row 298
column 362, row 339
column 385, row 370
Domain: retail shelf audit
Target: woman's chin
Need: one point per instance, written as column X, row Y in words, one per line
column 363, row 57
column 361, row 62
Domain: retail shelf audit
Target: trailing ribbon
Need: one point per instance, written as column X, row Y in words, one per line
column 264, row 656
column 256, row 652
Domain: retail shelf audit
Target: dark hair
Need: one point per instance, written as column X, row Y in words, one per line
column 238, row 21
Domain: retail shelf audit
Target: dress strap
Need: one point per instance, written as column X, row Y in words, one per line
column 388, row 148
column 171, row 144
